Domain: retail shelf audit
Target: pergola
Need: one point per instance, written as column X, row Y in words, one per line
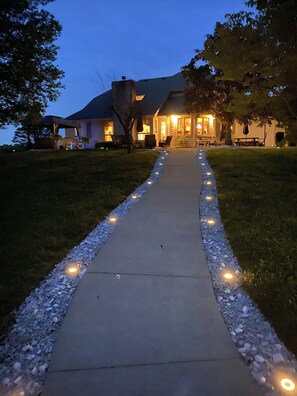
column 55, row 123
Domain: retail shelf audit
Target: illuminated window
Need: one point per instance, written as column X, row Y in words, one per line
column 146, row 129
column 108, row 131
column 184, row 126
column 139, row 98
column 204, row 125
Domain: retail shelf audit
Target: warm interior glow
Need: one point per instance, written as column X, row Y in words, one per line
column 139, row 98
column 72, row 270
column 211, row 222
column 113, row 219
column 287, row 384
column 174, row 119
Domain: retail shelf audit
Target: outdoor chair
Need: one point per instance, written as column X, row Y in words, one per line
column 166, row 143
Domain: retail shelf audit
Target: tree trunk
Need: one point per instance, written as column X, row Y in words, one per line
column 228, row 140
column 129, row 140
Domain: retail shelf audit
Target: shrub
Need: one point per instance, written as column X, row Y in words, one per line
column 105, row 145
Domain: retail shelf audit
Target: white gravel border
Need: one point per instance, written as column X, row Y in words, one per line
column 260, row 347
column 26, row 351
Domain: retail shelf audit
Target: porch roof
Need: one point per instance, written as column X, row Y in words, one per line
column 155, row 91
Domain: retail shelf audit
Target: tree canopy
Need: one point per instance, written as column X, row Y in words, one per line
column 29, row 76
column 256, row 52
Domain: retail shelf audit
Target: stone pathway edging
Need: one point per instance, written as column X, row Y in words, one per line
column 26, row 351
column 256, row 340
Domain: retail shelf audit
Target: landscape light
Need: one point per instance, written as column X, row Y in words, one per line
column 208, row 173
column 72, row 270
column 287, row 384
column 149, row 182
column 113, row 219
column 162, row 157
column 211, row 222
column 134, row 196
column 208, row 182
column 160, row 163
column 202, row 163
column 156, row 173
column 208, row 197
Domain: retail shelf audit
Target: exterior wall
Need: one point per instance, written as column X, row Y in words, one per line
column 97, row 131
column 257, row 131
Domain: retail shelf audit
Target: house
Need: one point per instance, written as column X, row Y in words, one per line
column 161, row 104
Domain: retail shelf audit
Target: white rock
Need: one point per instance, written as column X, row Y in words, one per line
column 245, row 309
column 17, row 366
column 18, row 380
column 228, row 291
column 231, row 298
column 263, row 380
column 42, row 369
column 238, row 330
column 277, row 357
column 247, row 346
column 220, row 298
column 27, row 348
column 6, row 381
column 278, row 347
column 55, row 319
column 259, row 359
column 34, row 371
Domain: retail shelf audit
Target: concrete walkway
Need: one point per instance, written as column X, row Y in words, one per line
column 144, row 320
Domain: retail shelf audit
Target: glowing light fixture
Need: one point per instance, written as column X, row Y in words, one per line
column 134, row 196
column 156, row 173
column 208, row 173
column 208, row 197
column 174, row 119
column 202, row 163
column 149, row 182
column 113, row 219
column 287, row 384
column 160, row 163
column 72, row 269
column 162, row 157
column 228, row 275
column 208, row 182
column 211, row 222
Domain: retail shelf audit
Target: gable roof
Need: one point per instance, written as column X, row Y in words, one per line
column 174, row 104
column 155, row 91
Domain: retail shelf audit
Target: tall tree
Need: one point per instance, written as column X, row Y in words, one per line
column 256, row 51
column 27, row 55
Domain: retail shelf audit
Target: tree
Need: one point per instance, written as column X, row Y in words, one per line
column 127, row 119
column 30, row 130
column 29, row 76
column 204, row 93
column 256, row 51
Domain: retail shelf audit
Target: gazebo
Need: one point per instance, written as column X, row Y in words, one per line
column 55, row 123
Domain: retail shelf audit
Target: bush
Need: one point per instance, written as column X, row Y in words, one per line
column 280, row 139
column 105, row 145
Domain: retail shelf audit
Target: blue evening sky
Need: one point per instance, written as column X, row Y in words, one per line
column 105, row 39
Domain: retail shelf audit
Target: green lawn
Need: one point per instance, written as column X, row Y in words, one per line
column 49, row 202
column 257, row 191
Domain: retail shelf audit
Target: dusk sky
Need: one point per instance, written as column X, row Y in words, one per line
column 103, row 40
